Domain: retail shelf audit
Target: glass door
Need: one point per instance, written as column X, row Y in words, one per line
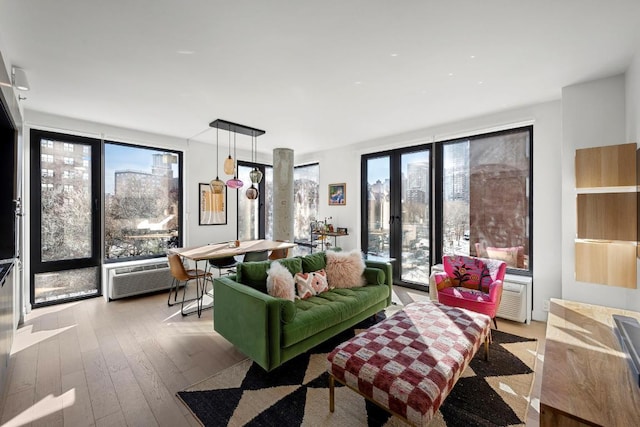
column 252, row 216
column 65, row 223
column 396, row 193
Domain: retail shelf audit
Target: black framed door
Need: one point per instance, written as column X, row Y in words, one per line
column 65, row 217
column 396, row 213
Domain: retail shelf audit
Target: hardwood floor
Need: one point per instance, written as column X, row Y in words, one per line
column 93, row 363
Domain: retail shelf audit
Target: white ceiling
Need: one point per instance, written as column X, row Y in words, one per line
column 313, row 74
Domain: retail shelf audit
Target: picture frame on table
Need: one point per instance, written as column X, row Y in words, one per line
column 338, row 194
column 212, row 207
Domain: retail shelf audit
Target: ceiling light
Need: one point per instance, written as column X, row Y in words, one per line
column 256, row 174
column 229, row 163
column 394, row 55
column 235, row 182
column 217, row 185
column 19, row 79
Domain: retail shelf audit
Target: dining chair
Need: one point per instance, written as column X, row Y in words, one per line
column 279, row 253
column 224, row 265
column 180, row 275
column 256, row 256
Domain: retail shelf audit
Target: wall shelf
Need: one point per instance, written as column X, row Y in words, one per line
column 607, row 215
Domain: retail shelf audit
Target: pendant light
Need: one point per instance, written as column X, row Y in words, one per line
column 234, row 183
column 229, row 165
column 217, row 186
column 256, row 174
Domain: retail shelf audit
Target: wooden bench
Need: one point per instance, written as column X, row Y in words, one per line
column 408, row 363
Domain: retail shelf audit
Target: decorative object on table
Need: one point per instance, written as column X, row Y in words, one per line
column 230, row 164
column 341, row 230
column 493, row 393
column 217, row 185
column 337, row 194
column 213, row 206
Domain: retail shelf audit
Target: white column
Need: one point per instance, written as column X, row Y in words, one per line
column 283, row 194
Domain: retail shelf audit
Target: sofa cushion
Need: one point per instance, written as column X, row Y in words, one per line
column 345, row 269
column 280, row 283
column 320, row 312
column 310, row 284
column 254, row 274
column 314, row 262
column 374, row 276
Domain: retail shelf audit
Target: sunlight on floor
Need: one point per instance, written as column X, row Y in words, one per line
column 26, row 337
column 44, row 407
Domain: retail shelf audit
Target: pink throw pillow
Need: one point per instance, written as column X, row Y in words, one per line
column 280, row 283
column 345, row 269
column 310, row 284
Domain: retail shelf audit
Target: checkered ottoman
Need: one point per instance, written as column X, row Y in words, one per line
column 409, row 362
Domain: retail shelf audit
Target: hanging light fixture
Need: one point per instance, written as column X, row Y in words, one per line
column 229, row 165
column 234, row 183
column 256, row 174
column 217, row 185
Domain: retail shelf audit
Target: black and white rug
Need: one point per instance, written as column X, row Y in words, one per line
column 494, row 393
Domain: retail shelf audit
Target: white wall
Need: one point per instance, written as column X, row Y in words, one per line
column 344, row 166
column 594, row 114
column 632, row 82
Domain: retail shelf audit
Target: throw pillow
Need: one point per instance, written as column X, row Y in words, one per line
column 344, row 269
column 280, row 283
column 508, row 255
column 310, row 284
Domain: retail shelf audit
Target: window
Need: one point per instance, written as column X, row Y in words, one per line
column 68, row 161
column 46, row 158
column 68, row 147
column 143, row 201
column 306, row 198
column 486, row 197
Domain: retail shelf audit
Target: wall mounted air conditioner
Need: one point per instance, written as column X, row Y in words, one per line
column 136, row 277
column 516, row 297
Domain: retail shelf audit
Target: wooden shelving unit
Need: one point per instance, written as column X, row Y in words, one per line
column 607, row 215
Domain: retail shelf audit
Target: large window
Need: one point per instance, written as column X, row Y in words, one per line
column 142, row 201
column 486, row 197
column 481, row 204
column 142, row 197
column 306, row 184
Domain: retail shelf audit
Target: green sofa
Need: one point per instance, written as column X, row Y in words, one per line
column 273, row 330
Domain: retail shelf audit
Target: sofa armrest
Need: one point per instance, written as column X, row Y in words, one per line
column 388, row 275
column 250, row 320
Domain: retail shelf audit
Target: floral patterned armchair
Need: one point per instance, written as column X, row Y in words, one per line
column 471, row 283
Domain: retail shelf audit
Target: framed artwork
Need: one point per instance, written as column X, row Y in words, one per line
column 213, row 207
column 337, row 194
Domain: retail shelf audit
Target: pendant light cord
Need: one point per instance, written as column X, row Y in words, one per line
column 217, row 153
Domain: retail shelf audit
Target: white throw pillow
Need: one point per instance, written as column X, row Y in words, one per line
column 280, row 283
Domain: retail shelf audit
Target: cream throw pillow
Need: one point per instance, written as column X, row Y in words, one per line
column 280, row 283
column 345, row 269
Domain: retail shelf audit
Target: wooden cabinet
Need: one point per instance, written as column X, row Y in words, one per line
column 607, row 215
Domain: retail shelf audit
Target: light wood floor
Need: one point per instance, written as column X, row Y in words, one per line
column 93, row 363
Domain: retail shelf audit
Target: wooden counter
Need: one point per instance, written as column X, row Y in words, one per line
column 586, row 379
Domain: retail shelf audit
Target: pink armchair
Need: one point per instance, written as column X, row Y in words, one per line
column 471, row 283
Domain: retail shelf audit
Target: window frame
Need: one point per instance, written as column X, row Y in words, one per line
column 439, row 192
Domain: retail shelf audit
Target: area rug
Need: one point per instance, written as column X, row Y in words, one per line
column 494, row 393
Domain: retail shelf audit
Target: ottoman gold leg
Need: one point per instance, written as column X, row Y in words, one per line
column 331, row 393
column 486, row 349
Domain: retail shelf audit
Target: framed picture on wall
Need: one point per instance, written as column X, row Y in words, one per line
column 337, row 194
column 213, row 207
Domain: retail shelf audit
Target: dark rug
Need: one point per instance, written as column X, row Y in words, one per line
column 494, row 393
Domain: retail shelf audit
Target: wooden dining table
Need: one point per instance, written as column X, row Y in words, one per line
column 222, row 250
